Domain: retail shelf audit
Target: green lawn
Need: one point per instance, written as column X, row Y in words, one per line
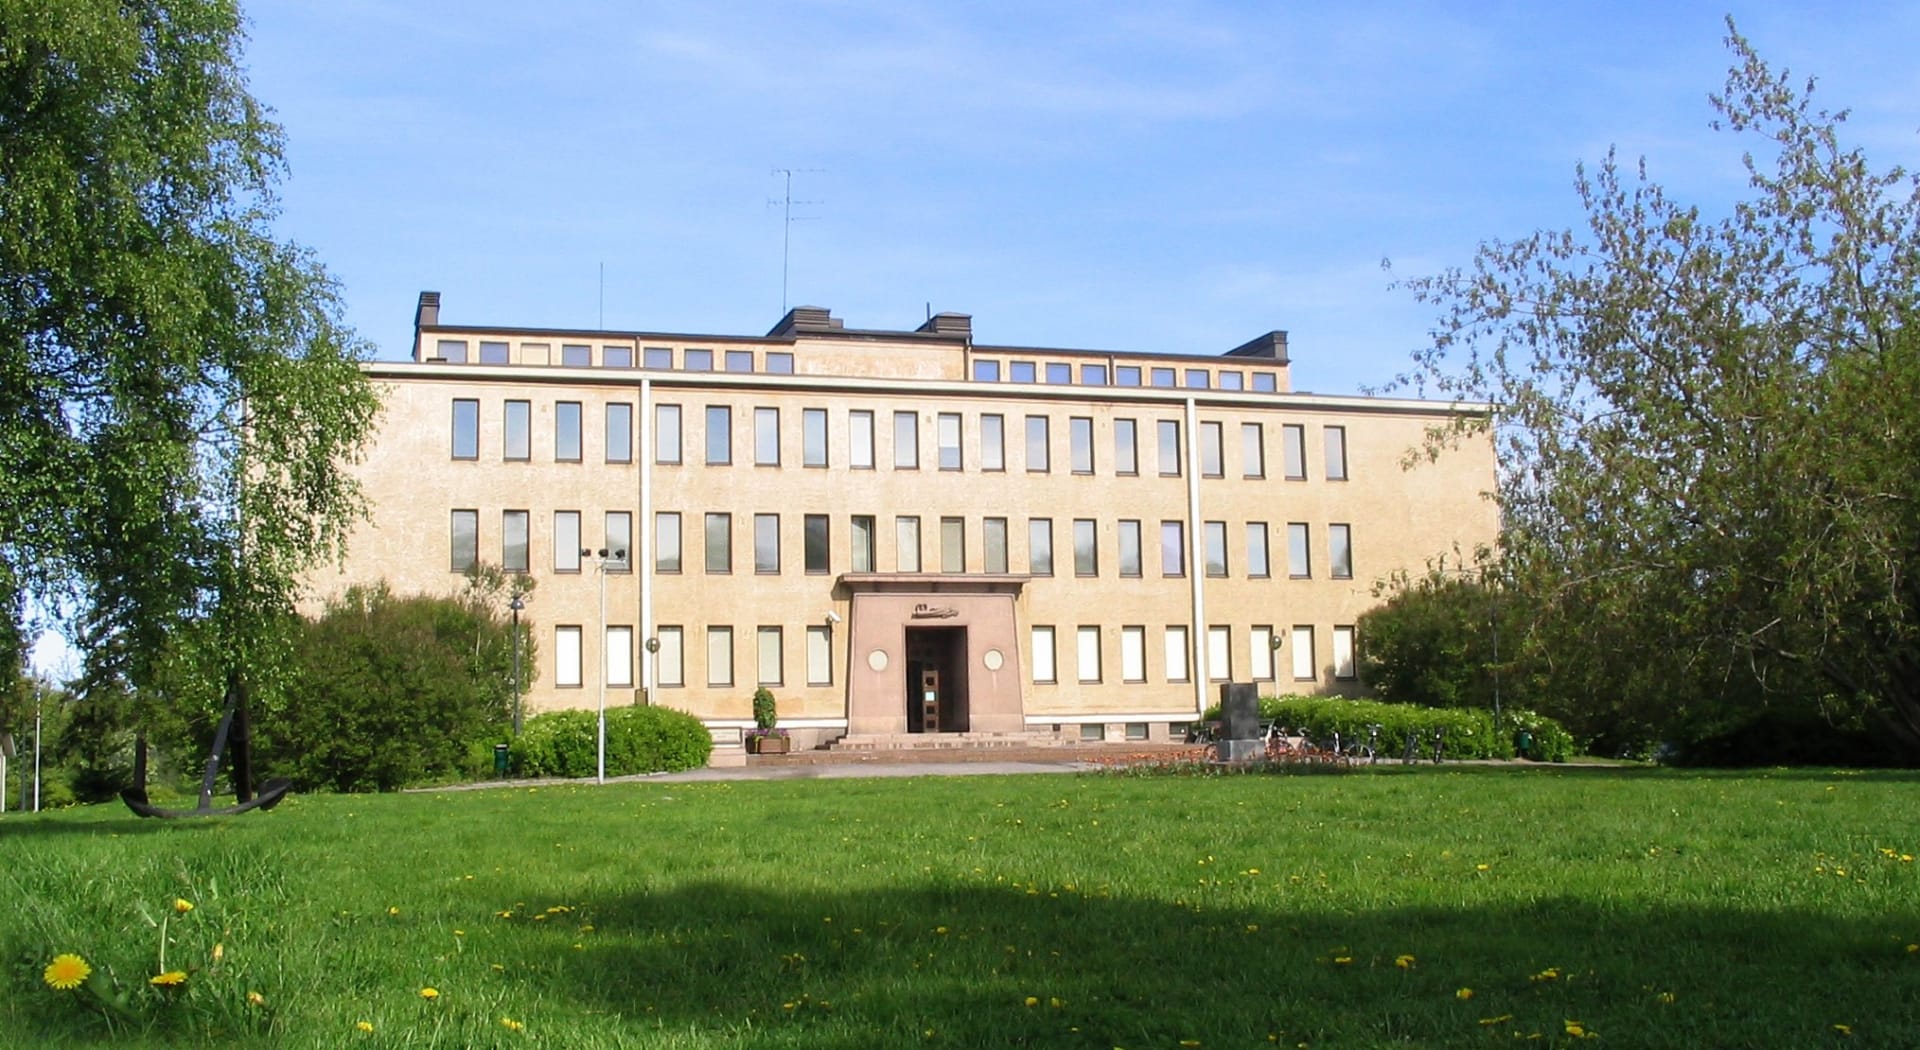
column 1648, row 908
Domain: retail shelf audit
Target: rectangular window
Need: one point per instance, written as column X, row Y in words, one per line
column 1213, row 456
column 1133, row 654
column 1293, row 451
column 1080, row 438
column 953, row 545
column 993, row 442
column 1161, row 377
column 994, row 531
column 619, row 432
column 575, row 356
column 1335, row 439
column 719, row 545
column 666, row 433
column 466, row 539
column 566, row 541
column 719, row 435
column 986, row 371
column 659, row 357
column 699, row 360
column 454, row 351
column 860, row 439
column 819, row 656
column 1173, row 548
column 1130, row 548
column 1086, row 547
column 739, row 360
column 1045, row 666
column 1258, row 566
column 1303, row 654
column 906, row 544
column 1197, row 378
column 719, row 656
column 772, row 653
column 1089, row 653
column 1265, row 382
column 619, row 657
column 862, row 542
column 619, row 536
column 566, row 657
column 766, row 437
column 1253, row 450
column 666, row 541
column 1126, row 375
column 1216, row 532
column 1343, row 654
column 513, row 534
column 815, row 538
column 1260, row 650
column 519, row 431
column 1126, row 447
column 1059, row 373
column 1021, row 371
column 906, row 441
column 466, row 428
column 670, row 663
column 1219, row 654
column 1037, row 444
column 1170, row 448
column 1176, row 652
column 566, row 431
column 1093, row 375
column 766, row 543
column 1299, row 564
column 779, row 363
column 616, row 357
column 1231, row 380
column 1340, row 552
column 947, row 433
column 813, row 437
column 1040, row 546
column 493, row 353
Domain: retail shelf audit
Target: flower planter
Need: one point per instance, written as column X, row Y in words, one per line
column 767, row 745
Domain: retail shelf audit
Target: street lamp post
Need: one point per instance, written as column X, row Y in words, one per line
column 604, row 558
column 515, row 606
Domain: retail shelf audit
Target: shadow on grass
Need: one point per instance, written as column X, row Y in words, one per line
column 968, row 965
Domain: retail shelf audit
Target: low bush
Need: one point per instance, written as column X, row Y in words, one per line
column 639, row 740
column 1469, row 731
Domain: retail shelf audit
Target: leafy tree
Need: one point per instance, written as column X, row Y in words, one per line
column 1708, row 427
column 391, row 690
column 1436, row 642
column 178, row 396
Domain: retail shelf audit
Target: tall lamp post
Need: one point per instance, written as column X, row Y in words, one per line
column 515, row 605
column 603, row 559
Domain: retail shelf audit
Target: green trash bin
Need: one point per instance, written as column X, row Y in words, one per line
column 1523, row 744
column 500, row 760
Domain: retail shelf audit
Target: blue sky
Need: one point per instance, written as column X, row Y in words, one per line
column 1165, row 176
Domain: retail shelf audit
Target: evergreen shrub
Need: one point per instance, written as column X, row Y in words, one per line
column 639, row 740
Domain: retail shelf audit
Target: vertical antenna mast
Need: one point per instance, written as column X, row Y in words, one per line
column 787, row 220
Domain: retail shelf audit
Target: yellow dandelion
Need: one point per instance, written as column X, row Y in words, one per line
column 219, row 951
column 940, row 929
column 393, row 911
column 1665, row 997
column 256, row 999
column 67, row 972
column 1911, row 948
column 1404, row 962
column 170, row 979
column 509, row 1023
column 1342, row 960
column 364, row 1026
column 182, row 906
column 1843, row 1029
column 429, row 993
column 1482, row 867
column 1033, row 1000
column 1576, row 1029
column 1056, row 1002
column 459, row 933
column 1463, row 994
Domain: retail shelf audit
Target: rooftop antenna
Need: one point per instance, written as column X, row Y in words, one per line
column 786, row 203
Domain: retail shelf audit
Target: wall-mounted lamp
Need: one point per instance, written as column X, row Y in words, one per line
column 1273, row 642
column 653, row 645
column 832, row 616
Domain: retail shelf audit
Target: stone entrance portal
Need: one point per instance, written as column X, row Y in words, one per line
column 933, row 653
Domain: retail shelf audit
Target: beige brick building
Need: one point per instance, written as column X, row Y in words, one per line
column 904, row 531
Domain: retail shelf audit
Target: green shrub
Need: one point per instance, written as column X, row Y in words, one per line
column 639, row 740
column 766, row 713
column 1470, row 732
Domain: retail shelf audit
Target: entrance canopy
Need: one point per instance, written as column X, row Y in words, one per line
column 959, row 626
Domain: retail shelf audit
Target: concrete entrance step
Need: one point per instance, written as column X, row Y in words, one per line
column 943, row 741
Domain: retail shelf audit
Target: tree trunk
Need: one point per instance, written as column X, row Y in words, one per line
column 241, row 743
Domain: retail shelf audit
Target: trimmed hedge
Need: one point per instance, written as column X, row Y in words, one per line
column 639, row 740
column 1470, row 731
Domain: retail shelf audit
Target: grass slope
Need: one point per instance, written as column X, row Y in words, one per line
column 1652, row 909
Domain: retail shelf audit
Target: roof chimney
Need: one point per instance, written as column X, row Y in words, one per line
column 806, row 319
column 1272, row 346
column 948, row 324
column 427, row 314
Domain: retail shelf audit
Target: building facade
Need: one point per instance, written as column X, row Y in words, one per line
column 904, row 532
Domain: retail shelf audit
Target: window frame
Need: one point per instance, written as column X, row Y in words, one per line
column 569, row 428
column 465, row 447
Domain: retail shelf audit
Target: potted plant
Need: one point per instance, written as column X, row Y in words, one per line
column 765, row 738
